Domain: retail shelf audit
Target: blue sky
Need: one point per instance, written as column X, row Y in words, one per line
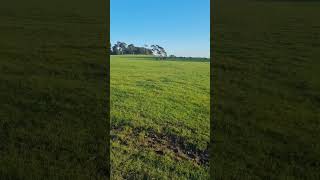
column 182, row 27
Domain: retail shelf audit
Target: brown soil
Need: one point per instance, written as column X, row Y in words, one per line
column 164, row 144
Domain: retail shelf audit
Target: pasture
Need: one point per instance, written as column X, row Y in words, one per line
column 159, row 118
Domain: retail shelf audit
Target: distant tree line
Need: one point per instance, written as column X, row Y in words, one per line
column 121, row 48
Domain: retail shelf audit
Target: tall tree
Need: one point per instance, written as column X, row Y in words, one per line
column 131, row 49
column 122, row 46
column 159, row 51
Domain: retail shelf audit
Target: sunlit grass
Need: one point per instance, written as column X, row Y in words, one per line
column 153, row 104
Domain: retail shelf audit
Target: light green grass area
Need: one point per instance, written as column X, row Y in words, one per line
column 159, row 118
column 266, row 90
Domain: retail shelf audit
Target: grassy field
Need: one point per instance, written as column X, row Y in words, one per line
column 159, row 118
column 53, row 96
column 266, row 90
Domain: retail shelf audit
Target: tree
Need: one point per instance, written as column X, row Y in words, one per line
column 159, row 51
column 121, row 48
column 110, row 48
column 115, row 49
column 131, row 49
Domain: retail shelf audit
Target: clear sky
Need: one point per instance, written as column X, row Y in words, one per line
column 182, row 27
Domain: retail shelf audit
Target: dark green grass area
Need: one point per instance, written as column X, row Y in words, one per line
column 53, row 90
column 159, row 118
column 266, row 90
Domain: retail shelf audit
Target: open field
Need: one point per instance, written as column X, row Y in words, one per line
column 159, row 118
column 52, row 90
column 266, row 90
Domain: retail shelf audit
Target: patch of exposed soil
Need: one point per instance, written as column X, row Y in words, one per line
column 164, row 144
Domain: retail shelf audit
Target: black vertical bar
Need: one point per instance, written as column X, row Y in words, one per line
column 211, row 146
column 108, row 84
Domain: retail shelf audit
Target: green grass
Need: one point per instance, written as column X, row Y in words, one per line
column 159, row 113
column 52, row 90
column 266, row 90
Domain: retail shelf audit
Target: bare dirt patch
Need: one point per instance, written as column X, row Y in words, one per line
column 179, row 146
column 163, row 144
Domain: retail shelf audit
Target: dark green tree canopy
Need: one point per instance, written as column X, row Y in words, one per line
column 121, row 48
